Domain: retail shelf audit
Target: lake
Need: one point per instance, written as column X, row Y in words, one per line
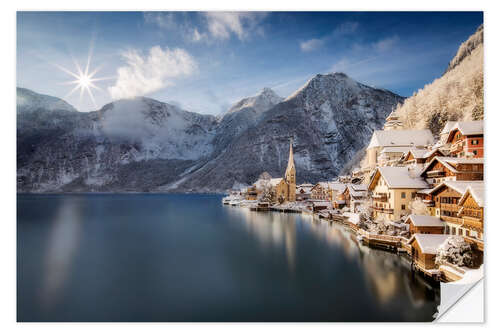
column 186, row 257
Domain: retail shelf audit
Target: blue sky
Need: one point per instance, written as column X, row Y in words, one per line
column 204, row 62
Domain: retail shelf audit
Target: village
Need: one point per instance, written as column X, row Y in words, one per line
column 413, row 194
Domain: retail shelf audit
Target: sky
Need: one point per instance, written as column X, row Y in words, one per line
column 206, row 61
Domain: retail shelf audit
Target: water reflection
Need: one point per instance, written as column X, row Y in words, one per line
column 271, row 229
column 386, row 275
column 61, row 246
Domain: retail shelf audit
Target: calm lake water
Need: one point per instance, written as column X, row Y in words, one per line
column 174, row 257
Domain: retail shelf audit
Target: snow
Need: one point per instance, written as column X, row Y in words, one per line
column 458, row 185
column 476, row 189
column 424, row 221
column 402, row 150
column 448, row 126
column 468, row 127
column 451, row 162
column 408, row 138
column 354, row 218
column 275, row 181
column 399, row 177
column 429, row 243
column 261, row 102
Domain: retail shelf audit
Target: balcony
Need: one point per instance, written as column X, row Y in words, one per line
column 428, row 203
column 383, row 210
column 381, row 197
column 474, row 223
column 454, row 220
column 435, row 173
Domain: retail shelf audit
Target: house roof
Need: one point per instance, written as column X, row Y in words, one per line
column 429, row 243
column 468, row 127
column 458, row 185
column 476, row 189
column 357, row 190
column 424, row 221
column 336, row 186
column 448, row 126
column 402, row 150
column 432, row 151
column 452, row 162
column 399, row 177
column 418, row 153
column 276, row 181
column 401, row 138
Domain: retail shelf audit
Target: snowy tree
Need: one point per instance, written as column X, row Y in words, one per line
column 418, row 207
column 455, row 250
column 365, row 211
column 264, row 187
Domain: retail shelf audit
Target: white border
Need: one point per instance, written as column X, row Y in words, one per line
column 8, row 168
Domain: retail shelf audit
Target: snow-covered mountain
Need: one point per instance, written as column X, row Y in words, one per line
column 456, row 95
column 266, row 99
column 146, row 145
column 329, row 119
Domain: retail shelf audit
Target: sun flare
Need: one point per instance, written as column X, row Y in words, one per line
column 84, row 80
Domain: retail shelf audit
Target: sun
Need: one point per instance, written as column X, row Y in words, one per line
column 83, row 80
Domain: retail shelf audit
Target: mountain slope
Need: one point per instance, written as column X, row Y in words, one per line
column 456, row 95
column 128, row 145
column 145, row 145
column 330, row 118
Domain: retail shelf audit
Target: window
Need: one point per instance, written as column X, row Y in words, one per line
column 403, row 195
column 403, row 207
column 413, row 195
column 453, row 231
column 460, row 232
column 474, row 152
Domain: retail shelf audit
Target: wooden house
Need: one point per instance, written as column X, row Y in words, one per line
column 442, row 169
column 424, row 249
column 424, row 224
column 471, row 210
column 465, row 138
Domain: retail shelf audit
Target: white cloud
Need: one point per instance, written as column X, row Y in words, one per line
column 221, row 25
column 145, row 74
column 163, row 20
column 386, row 44
column 311, row 44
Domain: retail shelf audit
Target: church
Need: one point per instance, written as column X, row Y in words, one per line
column 285, row 188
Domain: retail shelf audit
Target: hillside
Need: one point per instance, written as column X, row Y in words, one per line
column 456, row 95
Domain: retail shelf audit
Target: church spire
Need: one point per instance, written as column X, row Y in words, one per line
column 290, row 169
column 290, row 157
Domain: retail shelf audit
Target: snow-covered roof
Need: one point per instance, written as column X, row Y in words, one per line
column 424, row 221
column 452, row 162
column 275, row 181
column 448, row 126
column 429, row 243
column 458, row 185
column 399, row 177
column 476, row 190
column 336, row 186
column 418, row 153
column 401, row 150
column 468, row 127
column 432, row 151
column 401, row 138
column 425, row 191
column 305, row 185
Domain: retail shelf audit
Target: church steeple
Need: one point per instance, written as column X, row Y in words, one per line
column 290, row 169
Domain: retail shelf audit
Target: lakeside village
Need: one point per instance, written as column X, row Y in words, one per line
column 421, row 198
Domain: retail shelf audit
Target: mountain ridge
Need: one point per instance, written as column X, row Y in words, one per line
column 145, row 145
